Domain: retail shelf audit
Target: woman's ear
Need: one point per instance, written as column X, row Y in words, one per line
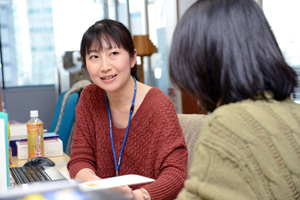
column 133, row 59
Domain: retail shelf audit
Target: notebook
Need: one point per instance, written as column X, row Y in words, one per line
column 30, row 174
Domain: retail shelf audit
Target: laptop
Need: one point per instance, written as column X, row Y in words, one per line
column 30, row 174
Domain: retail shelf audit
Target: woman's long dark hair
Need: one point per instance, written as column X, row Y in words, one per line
column 224, row 51
column 107, row 30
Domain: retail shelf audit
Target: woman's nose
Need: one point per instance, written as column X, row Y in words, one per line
column 105, row 65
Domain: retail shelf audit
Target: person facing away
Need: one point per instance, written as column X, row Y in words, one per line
column 225, row 54
column 122, row 125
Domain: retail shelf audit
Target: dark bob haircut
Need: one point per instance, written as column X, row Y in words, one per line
column 107, row 30
column 224, row 51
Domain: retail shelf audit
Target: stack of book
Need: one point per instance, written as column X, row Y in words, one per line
column 18, row 142
column 52, row 147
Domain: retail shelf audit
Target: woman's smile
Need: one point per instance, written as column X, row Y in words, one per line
column 108, row 77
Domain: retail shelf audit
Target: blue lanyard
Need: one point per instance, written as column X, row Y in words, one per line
column 117, row 165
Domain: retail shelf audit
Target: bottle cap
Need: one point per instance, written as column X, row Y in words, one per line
column 34, row 113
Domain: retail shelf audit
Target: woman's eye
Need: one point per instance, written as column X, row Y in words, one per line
column 114, row 53
column 93, row 57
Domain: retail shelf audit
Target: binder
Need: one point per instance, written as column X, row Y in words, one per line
column 4, row 155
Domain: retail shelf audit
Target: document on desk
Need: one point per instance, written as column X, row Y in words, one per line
column 130, row 179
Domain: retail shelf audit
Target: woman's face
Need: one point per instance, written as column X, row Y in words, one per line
column 109, row 68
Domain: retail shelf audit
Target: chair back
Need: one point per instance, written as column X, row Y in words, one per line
column 63, row 122
column 57, row 112
column 191, row 125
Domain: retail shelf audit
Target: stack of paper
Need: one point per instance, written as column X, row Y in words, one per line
column 52, row 147
column 18, row 131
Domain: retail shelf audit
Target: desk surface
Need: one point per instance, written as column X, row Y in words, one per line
column 60, row 163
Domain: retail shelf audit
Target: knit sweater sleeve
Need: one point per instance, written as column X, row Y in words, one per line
column 83, row 144
column 168, row 141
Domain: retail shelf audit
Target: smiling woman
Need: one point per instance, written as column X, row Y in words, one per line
column 102, row 43
column 104, row 65
column 122, row 125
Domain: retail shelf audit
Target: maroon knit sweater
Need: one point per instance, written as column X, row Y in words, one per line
column 155, row 146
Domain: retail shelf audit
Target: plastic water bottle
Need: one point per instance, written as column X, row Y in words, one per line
column 35, row 136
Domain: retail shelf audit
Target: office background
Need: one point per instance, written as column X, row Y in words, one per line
column 35, row 34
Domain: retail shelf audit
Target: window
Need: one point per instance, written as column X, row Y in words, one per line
column 283, row 16
column 162, row 18
column 35, row 35
column 7, row 53
column 122, row 13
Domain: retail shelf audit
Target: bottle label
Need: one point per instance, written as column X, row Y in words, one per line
column 35, row 140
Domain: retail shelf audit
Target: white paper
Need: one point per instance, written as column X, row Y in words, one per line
column 130, row 179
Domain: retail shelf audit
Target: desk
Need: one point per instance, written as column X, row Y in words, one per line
column 60, row 163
